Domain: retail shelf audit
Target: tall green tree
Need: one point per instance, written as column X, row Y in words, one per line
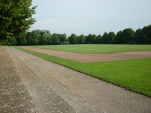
column 63, row 37
column 111, row 38
column 119, row 38
column 99, row 39
column 44, row 36
column 149, row 34
column 105, row 38
column 55, row 39
column 43, row 40
column 28, row 38
column 15, row 17
column 34, row 38
column 138, row 36
column 90, row 39
column 93, row 39
column 50, row 40
column 10, row 41
column 146, row 34
column 73, row 39
column 21, row 39
column 128, row 35
column 81, row 39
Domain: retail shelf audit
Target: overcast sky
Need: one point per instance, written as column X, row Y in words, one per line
column 91, row 16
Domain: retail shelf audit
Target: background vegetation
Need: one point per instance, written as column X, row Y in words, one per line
column 44, row 37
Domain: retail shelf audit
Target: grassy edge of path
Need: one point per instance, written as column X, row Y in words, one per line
column 134, row 75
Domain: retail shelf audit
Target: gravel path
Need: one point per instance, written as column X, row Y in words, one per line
column 32, row 85
column 14, row 97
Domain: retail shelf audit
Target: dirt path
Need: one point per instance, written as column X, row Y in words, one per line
column 54, row 88
column 93, row 57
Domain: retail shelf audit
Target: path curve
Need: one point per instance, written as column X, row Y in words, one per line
column 93, row 57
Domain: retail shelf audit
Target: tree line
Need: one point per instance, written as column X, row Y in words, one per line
column 44, row 37
column 37, row 37
column 127, row 36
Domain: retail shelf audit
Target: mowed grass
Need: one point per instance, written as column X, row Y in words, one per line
column 97, row 48
column 131, row 74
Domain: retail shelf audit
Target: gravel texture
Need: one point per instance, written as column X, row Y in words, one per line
column 14, row 97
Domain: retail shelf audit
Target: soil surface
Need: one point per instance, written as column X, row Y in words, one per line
column 93, row 57
column 29, row 84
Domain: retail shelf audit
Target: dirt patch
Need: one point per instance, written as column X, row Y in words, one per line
column 93, row 57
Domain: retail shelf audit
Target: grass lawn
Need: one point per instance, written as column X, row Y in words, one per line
column 97, row 48
column 131, row 74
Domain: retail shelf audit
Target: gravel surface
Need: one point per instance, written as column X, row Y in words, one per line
column 14, row 97
column 46, row 87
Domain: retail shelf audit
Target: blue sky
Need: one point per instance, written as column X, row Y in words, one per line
column 91, row 16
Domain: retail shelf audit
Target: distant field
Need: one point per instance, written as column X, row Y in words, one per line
column 131, row 74
column 97, row 48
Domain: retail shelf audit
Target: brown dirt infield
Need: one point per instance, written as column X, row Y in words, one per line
column 93, row 57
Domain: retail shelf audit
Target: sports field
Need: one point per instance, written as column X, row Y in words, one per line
column 97, row 48
column 133, row 74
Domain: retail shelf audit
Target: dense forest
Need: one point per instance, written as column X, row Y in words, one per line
column 44, row 37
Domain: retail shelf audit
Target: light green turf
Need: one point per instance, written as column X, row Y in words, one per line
column 131, row 74
column 97, row 48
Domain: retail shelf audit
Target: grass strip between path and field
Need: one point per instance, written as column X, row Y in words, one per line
column 133, row 74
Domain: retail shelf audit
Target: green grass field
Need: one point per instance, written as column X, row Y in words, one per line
column 131, row 74
column 98, row 48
